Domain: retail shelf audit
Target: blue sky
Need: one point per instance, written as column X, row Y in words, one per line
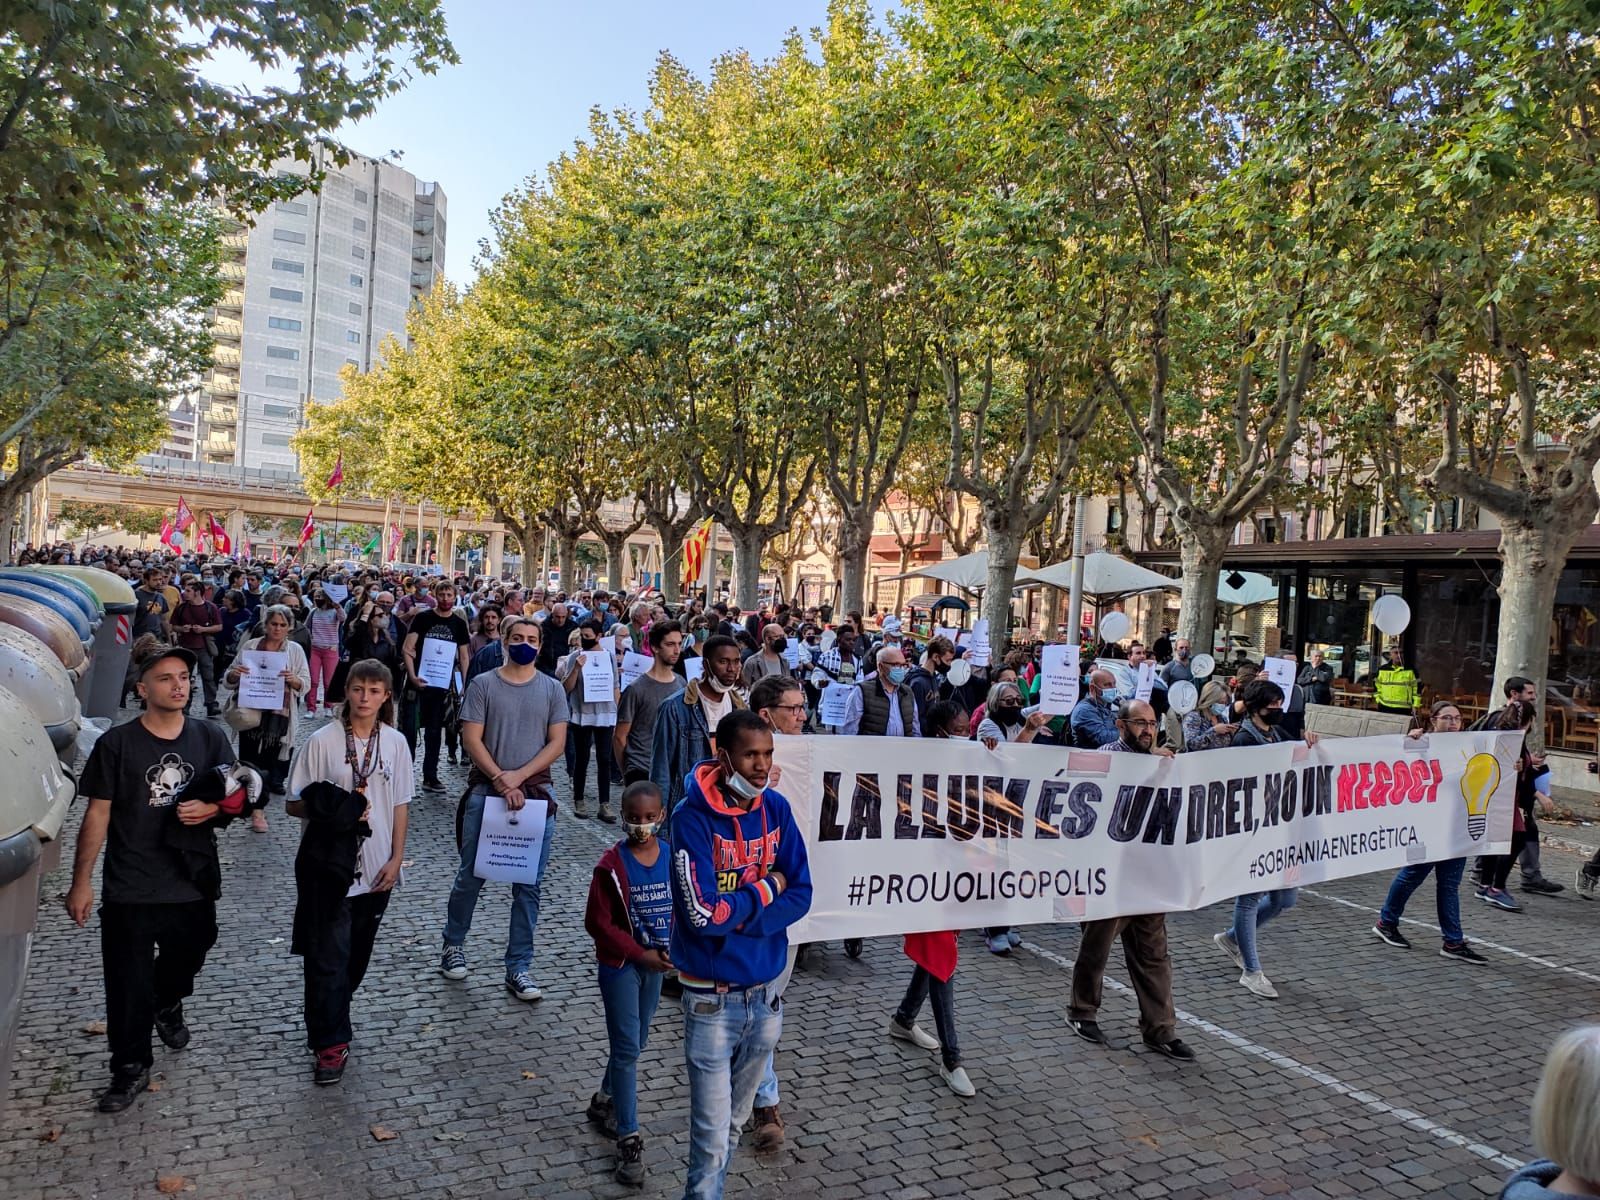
column 530, row 72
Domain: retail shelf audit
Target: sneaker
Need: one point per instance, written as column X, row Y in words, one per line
column 1255, row 981
column 454, row 761
column 999, row 944
column 1014, row 937
column 958, row 1081
column 913, row 1033
column 1481, row 891
column 1089, row 1031
column 258, row 821
column 1462, row 953
column 453, row 964
column 1542, row 886
column 1500, row 898
column 769, row 1130
column 1175, row 1049
column 1391, row 934
column 432, row 785
column 602, row 1114
column 608, row 814
column 521, row 985
column 630, row 1160
column 170, row 1027
column 1586, row 883
column 124, row 1090
column 1228, row 946
column 330, row 1065
column 580, row 806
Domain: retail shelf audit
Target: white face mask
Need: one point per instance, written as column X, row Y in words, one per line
column 742, row 787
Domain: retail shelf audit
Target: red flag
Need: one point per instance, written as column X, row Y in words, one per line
column 337, row 477
column 307, row 529
column 166, row 531
column 244, row 547
column 220, row 541
column 185, row 517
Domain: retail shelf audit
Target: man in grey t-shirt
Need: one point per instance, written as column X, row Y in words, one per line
column 513, row 727
column 634, row 737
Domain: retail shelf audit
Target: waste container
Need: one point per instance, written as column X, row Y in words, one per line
column 29, row 669
column 54, row 632
column 80, row 595
column 113, row 641
column 33, row 806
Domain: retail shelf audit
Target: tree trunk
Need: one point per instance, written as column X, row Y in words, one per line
column 567, row 559
column 10, row 501
column 1200, row 551
column 1532, row 557
column 671, row 534
column 747, row 546
column 1005, row 545
column 855, row 547
column 616, row 547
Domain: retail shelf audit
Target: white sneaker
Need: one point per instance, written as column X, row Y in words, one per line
column 521, row 986
column 958, row 1081
column 1228, row 946
column 1258, row 983
column 916, row 1035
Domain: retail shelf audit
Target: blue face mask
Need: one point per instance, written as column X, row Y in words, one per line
column 1109, row 695
column 522, row 653
column 1222, row 710
column 897, row 675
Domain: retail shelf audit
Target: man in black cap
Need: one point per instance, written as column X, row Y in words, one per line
column 162, row 878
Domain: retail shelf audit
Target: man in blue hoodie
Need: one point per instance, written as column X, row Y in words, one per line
column 739, row 879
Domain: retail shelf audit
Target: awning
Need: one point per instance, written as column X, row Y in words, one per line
column 1243, row 589
column 1103, row 575
column 970, row 572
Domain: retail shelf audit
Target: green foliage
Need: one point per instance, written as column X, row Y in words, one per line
column 81, row 518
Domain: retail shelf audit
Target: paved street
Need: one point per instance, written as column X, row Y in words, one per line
column 1379, row 1072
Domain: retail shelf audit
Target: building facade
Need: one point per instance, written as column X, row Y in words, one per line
column 314, row 286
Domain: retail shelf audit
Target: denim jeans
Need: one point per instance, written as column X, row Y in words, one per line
column 630, row 994
column 767, row 1094
column 1447, row 892
column 464, row 891
column 727, row 1039
column 942, row 991
column 1250, row 912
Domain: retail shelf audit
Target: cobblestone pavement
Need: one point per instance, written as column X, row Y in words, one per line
column 1380, row 1072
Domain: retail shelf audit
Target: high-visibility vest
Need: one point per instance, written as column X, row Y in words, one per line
column 1396, row 687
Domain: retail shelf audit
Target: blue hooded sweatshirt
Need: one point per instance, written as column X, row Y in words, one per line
column 730, row 917
column 1533, row 1183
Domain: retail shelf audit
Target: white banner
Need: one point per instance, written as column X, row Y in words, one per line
column 912, row 836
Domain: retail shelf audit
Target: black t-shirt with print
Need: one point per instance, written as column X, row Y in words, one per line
column 429, row 624
column 142, row 775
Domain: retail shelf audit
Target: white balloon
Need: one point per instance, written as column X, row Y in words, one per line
column 1114, row 626
column 960, row 671
column 1391, row 614
column 1201, row 665
column 1183, row 696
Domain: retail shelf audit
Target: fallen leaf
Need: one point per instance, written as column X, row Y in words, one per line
column 171, row 1185
column 382, row 1133
column 154, row 1085
column 50, row 1135
column 450, row 1137
column 1147, row 1140
column 427, row 1029
column 95, row 1028
column 529, row 1075
column 274, row 941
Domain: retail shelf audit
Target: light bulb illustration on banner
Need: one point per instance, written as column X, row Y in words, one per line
column 1478, row 783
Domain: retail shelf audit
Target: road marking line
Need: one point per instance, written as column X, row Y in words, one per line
column 1366, row 1099
column 1511, row 950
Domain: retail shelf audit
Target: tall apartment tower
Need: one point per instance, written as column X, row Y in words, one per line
column 315, row 285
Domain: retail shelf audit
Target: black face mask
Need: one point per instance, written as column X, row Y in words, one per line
column 777, row 645
column 1271, row 716
column 1008, row 714
column 590, row 643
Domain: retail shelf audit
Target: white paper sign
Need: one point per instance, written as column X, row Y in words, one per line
column 597, row 678
column 509, row 843
column 693, row 668
column 1281, row 672
column 945, row 631
column 791, row 654
column 633, row 666
column 1146, row 681
column 1059, row 675
column 979, row 653
column 337, row 592
column 436, row 661
column 264, row 686
column 835, row 707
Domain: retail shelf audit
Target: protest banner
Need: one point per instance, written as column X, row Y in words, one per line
column 913, row 836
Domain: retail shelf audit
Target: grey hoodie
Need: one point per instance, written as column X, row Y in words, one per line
column 1533, row 1183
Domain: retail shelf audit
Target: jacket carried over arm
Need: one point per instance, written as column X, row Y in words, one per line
column 606, row 917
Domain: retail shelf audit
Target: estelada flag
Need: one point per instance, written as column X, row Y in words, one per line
column 694, row 550
column 185, row 517
column 307, row 529
column 220, row 541
column 337, row 477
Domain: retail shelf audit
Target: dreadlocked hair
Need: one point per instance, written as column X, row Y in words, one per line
column 369, row 670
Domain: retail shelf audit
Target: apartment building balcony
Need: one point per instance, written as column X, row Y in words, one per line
column 223, row 385
column 237, row 241
column 220, row 443
column 225, row 356
column 232, row 272
column 227, row 330
column 232, row 302
column 218, row 414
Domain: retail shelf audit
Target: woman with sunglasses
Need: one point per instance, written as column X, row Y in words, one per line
column 1443, row 717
